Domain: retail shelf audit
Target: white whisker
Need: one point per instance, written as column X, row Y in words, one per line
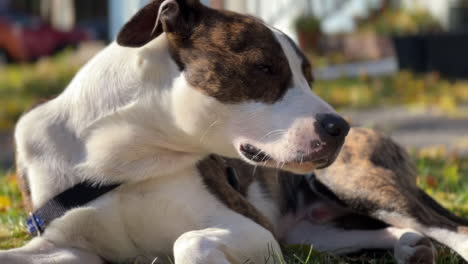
column 273, row 132
column 207, row 130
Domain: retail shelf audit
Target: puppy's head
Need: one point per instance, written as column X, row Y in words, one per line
column 244, row 87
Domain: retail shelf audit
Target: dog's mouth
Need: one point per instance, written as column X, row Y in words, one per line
column 257, row 155
column 254, row 154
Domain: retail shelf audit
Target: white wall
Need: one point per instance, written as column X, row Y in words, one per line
column 120, row 12
column 278, row 13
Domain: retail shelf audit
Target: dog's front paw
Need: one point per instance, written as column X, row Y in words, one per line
column 413, row 248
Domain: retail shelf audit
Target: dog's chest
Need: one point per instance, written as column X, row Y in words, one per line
column 164, row 209
column 144, row 218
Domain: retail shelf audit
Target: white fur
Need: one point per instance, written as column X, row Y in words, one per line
column 456, row 241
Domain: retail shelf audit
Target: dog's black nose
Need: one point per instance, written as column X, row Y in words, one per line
column 333, row 125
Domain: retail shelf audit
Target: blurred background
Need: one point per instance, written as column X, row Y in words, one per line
column 400, row 66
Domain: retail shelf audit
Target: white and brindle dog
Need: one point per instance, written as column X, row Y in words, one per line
column 183, row 81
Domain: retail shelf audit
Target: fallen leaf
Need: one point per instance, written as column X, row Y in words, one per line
column 5, row 203
column 431, row 181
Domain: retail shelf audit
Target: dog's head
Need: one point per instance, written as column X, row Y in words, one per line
column 244, row 87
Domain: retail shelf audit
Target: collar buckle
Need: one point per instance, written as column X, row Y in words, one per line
column 34, row 224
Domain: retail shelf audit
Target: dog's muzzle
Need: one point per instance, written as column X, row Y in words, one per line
column 321, row 152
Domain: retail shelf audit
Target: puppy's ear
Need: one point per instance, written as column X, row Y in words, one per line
column 170, row 16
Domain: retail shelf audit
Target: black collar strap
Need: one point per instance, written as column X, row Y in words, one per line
column 77, row 196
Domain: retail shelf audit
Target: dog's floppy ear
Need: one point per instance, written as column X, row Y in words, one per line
column 170, row 16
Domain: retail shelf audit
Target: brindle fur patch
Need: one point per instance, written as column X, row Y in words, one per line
column 373, row 174
column 213, row 172
column 233, row 58
column 276, row 185
column 228, row 56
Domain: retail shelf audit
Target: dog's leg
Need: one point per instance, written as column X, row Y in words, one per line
column 222, row 246
column 407, row 244
column 243, row 242
column 40, row 251
column 432, row 223
column 375, row 176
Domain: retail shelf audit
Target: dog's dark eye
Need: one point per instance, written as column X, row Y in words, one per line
column 266, row 69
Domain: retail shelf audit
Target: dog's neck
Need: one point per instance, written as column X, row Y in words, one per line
column 113, row 132
column 129, row 130
column 115, row 79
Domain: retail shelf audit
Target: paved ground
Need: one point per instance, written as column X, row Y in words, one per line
column 416, row 129
column 382, row 67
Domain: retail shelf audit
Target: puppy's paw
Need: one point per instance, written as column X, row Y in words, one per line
column 413, row 248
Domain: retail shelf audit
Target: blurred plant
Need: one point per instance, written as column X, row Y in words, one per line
column 308, row 30
column 401, row 21
column 404, row 88
column 444, row 175
column 307, row 23
column 24, row 85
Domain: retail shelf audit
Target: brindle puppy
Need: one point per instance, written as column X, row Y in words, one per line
column 368, row 199
column 374, row 176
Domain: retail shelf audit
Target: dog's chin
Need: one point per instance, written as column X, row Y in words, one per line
column 258, row 157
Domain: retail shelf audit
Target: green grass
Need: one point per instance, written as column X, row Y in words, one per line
column 12, row 215
column 24, row 85
column 306, row 255
column 445, row 176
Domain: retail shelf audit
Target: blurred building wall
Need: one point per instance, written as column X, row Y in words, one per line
column 337, row 16
column 282, row 13
column 61, row 13
column 278, row 13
